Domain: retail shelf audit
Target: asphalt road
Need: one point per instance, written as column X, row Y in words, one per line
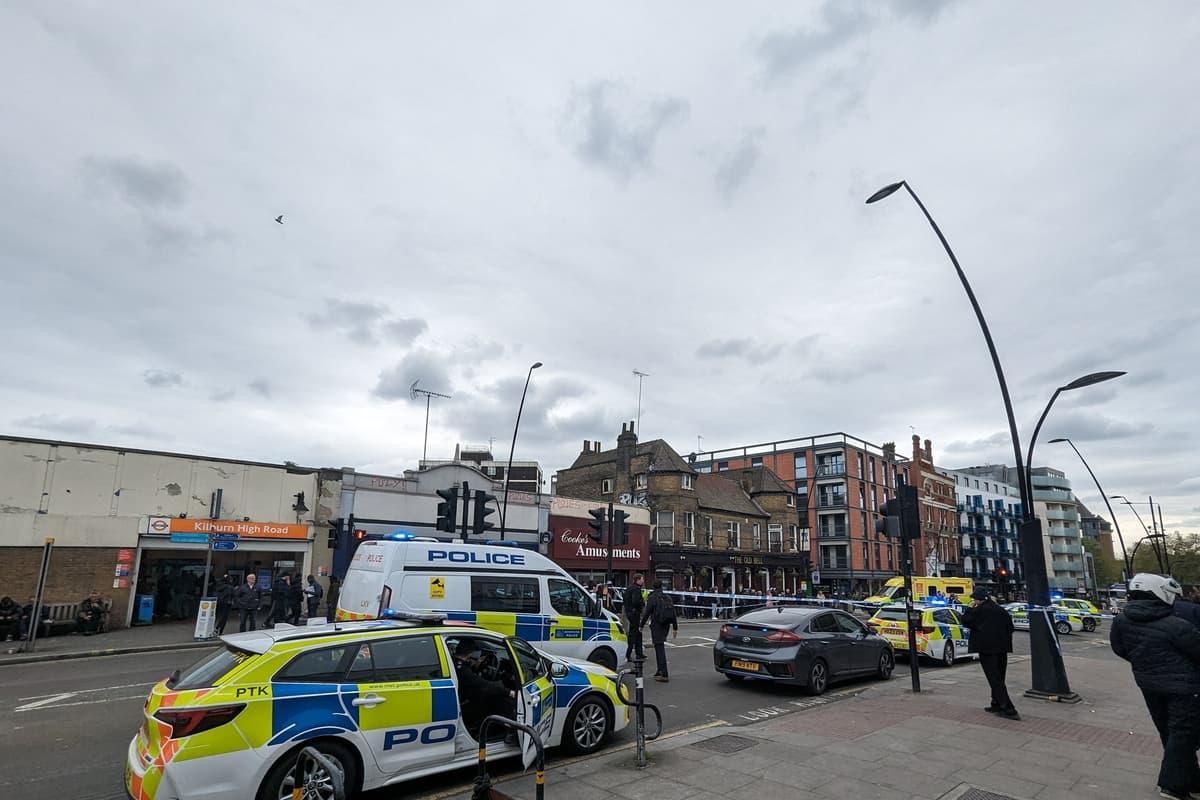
column 65, row 725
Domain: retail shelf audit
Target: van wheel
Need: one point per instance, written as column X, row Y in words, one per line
column 604, row 657
column 317, row 784
column 588, row 726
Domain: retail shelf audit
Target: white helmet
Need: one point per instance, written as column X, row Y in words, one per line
column 1166, row 588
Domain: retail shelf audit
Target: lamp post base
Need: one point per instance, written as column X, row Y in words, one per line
column 1048, row 671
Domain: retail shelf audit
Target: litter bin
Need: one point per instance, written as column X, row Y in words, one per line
column 143, row 612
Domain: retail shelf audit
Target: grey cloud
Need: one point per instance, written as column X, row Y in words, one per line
column 922, row 12
column 806, row 344
column 1120, row 354
column 222, row 395
column 395, row 382
column 552, row 414
column 746, row 349
column 476, row 351
column 366, row 323
column 140, row 431
column 1147, row 377
column 608, row 131
column 260, row 386
column 161, row 378
column 69, row 426
column 737, row 165
column 783, row 52
column 144, row 185
column 1081, row 426
column 999, row 438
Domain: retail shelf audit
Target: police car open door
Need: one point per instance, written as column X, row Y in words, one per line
column 535, row 701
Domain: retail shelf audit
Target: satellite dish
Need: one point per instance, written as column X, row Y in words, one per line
column 412, row 390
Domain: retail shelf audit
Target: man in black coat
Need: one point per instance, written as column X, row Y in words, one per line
column 991, row 637
column 1164, row 651
column 295, row 599
column 247, row 600
column 279, row 599
column 634, row 606
column 225, row 591
column 660, row 613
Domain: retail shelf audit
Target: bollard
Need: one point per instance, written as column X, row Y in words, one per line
column 483, row 782
column 640, row 705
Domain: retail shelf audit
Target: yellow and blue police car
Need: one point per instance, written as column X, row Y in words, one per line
column 1064, row 621
column 385, row 700
column 940, row 637
column 1084, row 609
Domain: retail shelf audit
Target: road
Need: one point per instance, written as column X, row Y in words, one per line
column 66, row 724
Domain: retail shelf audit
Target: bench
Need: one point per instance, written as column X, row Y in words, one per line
column 60, row 618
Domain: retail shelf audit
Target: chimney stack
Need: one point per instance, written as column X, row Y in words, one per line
column 587, row 446
column 929, row 451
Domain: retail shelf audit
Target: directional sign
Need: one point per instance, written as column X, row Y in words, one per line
column 189, row 538
column 224, row 536
column 224, row 544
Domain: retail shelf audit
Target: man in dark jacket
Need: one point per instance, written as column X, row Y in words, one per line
column 991, row 637
column 634, row 606
column 1164, row 651
column 10, row 619
column 279, row 599
column 295, row 599
column 247, row 599
column 660, row 613
column 225, row 592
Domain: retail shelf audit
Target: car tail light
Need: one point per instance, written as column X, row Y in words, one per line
column 385, row 600
column 927, row 629
column 783, row 637
column 726, row 631
column 191, row 721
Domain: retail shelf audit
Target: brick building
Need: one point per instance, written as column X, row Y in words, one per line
column 839, row 482
column 736, row 532
column 937, row 553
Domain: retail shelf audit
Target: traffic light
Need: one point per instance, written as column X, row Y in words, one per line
column 620, row 535
column 335, row 532
column 359, row 535
column 888, row 524
column 480, row 524
column 447, row 510
column 597, row 523
column 910, row 512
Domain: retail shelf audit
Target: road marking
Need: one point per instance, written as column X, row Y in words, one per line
column 86, row 691
column 43, row 705
column 44, row 701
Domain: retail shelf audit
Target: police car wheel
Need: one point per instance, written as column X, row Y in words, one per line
column 887, row 663
column 948, row 655
column 1063, row 628
column 588, row 726
column 280, row 781
column 818, row 677
column 604, row 657
column 1089, row 625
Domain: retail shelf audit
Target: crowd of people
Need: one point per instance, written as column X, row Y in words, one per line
column 289, row 599
column 16, row 620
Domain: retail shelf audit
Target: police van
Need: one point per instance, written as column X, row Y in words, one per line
column 510, row 590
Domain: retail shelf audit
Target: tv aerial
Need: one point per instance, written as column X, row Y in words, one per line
column 416, row 393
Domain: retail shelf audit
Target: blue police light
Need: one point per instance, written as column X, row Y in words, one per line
column 1056, row 595
column 501, row 543
column 401, row 535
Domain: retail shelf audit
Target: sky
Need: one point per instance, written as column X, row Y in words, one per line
column 677, row 188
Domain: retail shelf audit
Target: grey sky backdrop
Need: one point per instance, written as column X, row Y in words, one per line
column 676, row 187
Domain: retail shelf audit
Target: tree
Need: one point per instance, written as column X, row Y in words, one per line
column 1108, row 568
column 1184, row 555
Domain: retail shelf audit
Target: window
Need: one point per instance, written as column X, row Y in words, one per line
column 666, row 528
column 734, row 532
column 689, row 527
column 944, row 616
column 824, row 624
column 878, row 561
column 567, row 598
column 874, row 504
column 501, row 593
column 862, row 496
column 756, row 536
column 802, row 494
column 722, row 466
column 606, row 486
column 533, row 666
column 804, row 540
column 793, row 533
column 791, row 500
column 866, row 561
column 872, row 469
column 412, row 658
column 208, row 670
column 848, row 624
column 708, row 532
column 801, row 466
column 775, row 538
column 641, row 480
column 327, row 665
column 860, row 464
column 685, row 481
column 756, row 461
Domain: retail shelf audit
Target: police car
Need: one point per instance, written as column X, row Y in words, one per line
column 1084, row 609
column 1064, row 621
column 940, row 637
column 386, row 701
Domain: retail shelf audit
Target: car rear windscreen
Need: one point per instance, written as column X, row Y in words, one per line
column 210, row 669
column 895, row 614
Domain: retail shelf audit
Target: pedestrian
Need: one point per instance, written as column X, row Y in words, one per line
column 312, row 594
column 635, row 606
column 225, row 592
column 660, row 613
column 331, row 602
column 43, row 629
column 247, row 600
column 1164, row 652
column 295, row 599
column 991, row 637
column 10, row 619
column 90, row 618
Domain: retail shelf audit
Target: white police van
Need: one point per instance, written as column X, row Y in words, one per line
column 510, row 590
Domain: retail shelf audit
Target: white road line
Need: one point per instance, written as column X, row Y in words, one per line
column 44, row 701
column 87, row 691
column 42, row 705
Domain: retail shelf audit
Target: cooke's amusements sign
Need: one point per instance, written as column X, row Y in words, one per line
column 572, row 546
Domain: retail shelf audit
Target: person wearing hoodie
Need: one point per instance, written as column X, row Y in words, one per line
column 10, row 619
column 1164, row 651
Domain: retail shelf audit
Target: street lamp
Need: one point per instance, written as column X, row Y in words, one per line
column 1153, row 537
column 512, row 447
column 1124, row 555
column 1079, row 383
column 1049, row 674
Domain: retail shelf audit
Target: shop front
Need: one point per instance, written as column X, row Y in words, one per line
column 573, row 549
column 166, row 580
column 689, row 569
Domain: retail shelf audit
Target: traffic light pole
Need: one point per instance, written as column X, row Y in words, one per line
column 466, row 509
column 906, row 539
column 609, row 539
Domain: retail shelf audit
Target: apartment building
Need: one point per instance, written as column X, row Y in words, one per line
column 526, row 475
column 989, row 513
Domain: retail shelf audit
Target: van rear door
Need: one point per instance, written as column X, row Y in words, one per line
column 363, row 589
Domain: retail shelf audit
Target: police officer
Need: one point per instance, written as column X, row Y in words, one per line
column 634, row 606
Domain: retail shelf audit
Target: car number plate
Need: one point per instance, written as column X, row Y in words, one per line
column 747, row 665
column 894, row 631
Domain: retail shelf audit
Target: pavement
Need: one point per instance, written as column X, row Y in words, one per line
column 141, row 639
column 882, row 741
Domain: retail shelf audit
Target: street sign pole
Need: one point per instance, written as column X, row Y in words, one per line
column 609, row 538
column 908, row 499
column 35, row 621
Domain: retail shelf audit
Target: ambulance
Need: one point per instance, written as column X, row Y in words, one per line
column 956, row 591
column 509, row 590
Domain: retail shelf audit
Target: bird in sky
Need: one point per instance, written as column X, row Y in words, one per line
column 279, row 219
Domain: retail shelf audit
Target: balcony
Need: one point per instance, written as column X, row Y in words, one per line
column 1071, row 515
column 1067, row 549
column 1067, row 566
column 1063, row 533
column 1053, row 495
column 834, row 470
column 832, row 533
column 831, row 501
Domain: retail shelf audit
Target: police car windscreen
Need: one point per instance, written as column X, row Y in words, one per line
column 891, row 613
column 210, row 669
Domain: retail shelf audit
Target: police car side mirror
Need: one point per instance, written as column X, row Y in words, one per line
column 559, row 670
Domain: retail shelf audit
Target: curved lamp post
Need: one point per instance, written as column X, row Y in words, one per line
column 512, row 447
column 1078, row 383
column 1124, row 555
column 1153, row 537
column 1049, row 674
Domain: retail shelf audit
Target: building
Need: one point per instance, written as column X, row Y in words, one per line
column 989, row 517
column 526, row 475
column 839, row 481
column 573, row 548
column 937, row 552
column 130, row 522
column 1055, row 505
column 738, row 532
